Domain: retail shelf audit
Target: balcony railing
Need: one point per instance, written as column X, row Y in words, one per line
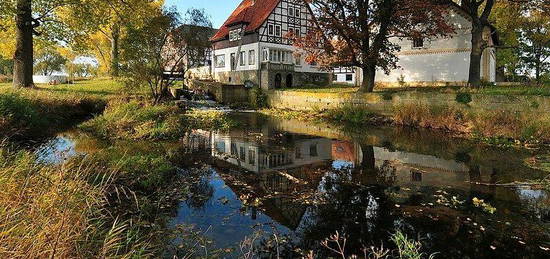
column 278, row 66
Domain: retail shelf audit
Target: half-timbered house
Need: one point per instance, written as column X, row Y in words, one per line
column 252, row 47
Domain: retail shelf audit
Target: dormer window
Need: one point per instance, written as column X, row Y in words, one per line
column 235, row 35
column 418, row 43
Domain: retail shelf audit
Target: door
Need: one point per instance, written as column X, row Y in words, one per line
column 289, row 80
column 278, row 80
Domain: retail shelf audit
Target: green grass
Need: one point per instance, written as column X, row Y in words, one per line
column 100, row 87
column 489, row 90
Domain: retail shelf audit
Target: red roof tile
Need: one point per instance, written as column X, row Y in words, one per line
column 251, row 12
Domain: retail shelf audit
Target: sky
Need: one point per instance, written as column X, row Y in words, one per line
column 218, row 10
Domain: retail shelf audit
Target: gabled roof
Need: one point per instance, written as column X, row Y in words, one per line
column 253, row 13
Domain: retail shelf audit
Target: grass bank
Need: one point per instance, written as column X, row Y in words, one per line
column 543, row 90
column 113, row 203
column 141, row 120
column 56, row 211
column 31, row 113
column 493, row 127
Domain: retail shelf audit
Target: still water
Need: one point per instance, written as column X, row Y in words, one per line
column 293, row 184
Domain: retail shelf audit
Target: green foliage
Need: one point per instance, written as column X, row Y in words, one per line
column 258, row 98
column 49, row 61
column 6, row 66
column 464, row 98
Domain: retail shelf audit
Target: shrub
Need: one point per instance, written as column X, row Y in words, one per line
column 464, row 98
column 351, row 113
column 258, row 98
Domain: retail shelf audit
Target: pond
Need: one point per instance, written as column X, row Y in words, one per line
column 286, row 185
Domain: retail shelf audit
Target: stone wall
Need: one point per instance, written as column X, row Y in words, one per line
column 237, row 77
column 226, row 94
column 384, row 103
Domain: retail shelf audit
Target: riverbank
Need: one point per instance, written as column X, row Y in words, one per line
column 43, row 111
column 491, row 118
column 107, row 201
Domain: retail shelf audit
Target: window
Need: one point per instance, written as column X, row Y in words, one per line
column 298, row 153
column 297, row 32
column 251, row 157
column 233, row 60
column 235, row 35
column 266, row 54
column 313, row 150
column 242, row 153
column 251, row 57
column 349, row 77
column 290, row 11
column 219, row 60
column 418, row 42
column 278, row 30
column 297, row 12
column 234, row 149
column 242, row 60
column 270, row 29
column 220, row 146
column 298, row 59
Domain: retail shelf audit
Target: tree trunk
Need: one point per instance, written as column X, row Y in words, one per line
column 23, row 57
column 369, row 75
column 474, row 75
column 115, row 51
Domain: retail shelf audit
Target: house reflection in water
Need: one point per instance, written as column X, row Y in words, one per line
column 262, row 153
column 259, row 154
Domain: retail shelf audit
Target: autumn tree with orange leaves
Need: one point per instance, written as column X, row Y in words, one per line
column 358, row 32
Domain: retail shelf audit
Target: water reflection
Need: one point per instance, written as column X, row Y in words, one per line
column 310, row 181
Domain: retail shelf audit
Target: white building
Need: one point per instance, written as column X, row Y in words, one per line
column 439, row 61
column 253, row 46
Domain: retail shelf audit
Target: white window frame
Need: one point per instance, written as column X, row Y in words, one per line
column 235, row 34
column 265, row 54
column 417, row 40
column 242, row 58
column 278, row 30
column 232, row 60
column 270, row 29
column 217, row 63
column 251, row 57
